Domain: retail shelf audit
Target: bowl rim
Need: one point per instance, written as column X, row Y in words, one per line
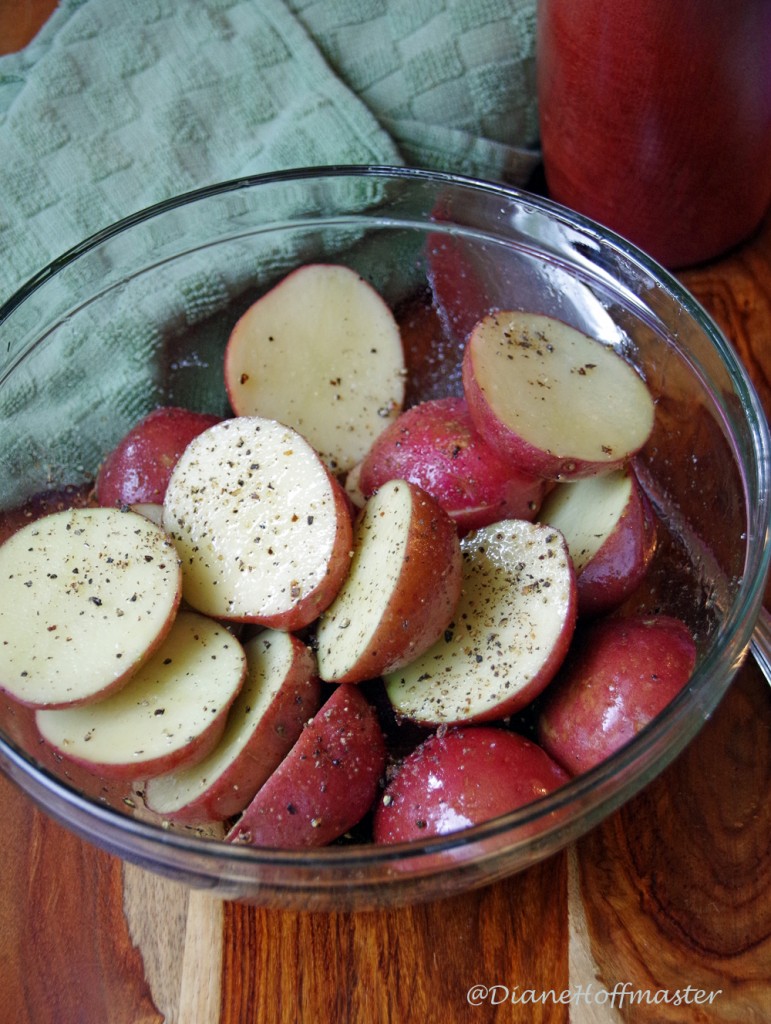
column 594, row 790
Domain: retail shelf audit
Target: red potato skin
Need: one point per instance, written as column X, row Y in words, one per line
column 621, row 563
column 436, row 446
column 527, row 457
column 327, row 782
column 298, row 700
column 412, row 622
column 461, row 778
column 619, row 675
column 137, row 470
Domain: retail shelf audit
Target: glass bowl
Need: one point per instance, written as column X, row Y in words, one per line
column 138, row 315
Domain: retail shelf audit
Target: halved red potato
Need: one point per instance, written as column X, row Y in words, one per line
column 280, row 693
column 510, row 632
column 86, row 595
column 435, row 445
column 138, row 468
column 262, row 527
column 551, row 399
column 171, row 712
column 327, row 782
column 401, row 591
column 619, row 675
column 461, row 778
column 321, row 352
column 610, row 528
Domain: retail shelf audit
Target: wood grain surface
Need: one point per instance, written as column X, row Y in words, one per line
column 674, row 890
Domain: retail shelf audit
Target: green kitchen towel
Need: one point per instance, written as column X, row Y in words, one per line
column 116, row 105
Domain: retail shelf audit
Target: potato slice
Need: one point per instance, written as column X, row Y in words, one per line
column 171, row 713
column 263, row 529
column 280, row 693
column 321, row 352
column 511, row 630
column 552, row 400
column 401, row 591
column 86, row 595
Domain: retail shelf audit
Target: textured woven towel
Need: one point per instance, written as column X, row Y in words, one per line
column 116, row 105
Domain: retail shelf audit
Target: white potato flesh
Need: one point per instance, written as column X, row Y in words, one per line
column 85, row 595
column 164, row 709
column 256, row 519
column 587, row 511
column 559, row 390
column 511, row 629
column 272, row 663
column 321, row 352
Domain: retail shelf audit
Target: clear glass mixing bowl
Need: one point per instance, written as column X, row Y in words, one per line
column 138, row 315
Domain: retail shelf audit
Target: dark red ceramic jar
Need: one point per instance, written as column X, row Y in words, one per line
column 656, row 118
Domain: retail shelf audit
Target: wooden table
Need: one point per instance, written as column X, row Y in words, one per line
column 672, row 891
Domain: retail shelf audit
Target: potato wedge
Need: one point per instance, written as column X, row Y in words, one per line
column 401, row 591
column 510, row 632
column 170, row 713
column 86, row 595
column 262, row 527
column 321, row 352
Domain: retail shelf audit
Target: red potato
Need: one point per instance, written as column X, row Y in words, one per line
column 401, row 591
column 620, row 674
column 552, row 400
column 353, row 488
column 171, row 713
column 137, row 470
column 462, row 778
column 327, row 782
column 436, row 446
column 320, row 352
column 280, row 693
column 86, row 595
column 610, row 529
column 510, row 632
column 263, row 529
